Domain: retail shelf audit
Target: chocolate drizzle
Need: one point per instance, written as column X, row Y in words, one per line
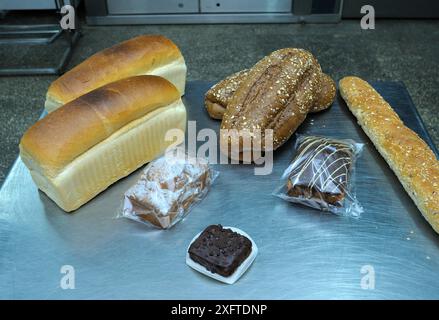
column 321, row 170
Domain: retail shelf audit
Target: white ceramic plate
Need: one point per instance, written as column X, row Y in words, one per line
column 242, row 268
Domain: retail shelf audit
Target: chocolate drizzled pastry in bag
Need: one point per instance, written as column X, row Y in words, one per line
column 220, row 250
column 218, row 97
column 320, row 175
column 167, row 189
column 277, row 94
column 321, row 170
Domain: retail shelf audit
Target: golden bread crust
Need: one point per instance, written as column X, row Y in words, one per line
column 410, row 158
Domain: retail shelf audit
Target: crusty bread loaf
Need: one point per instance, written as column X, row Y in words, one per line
column 413, row 162
column 276, row 95
column 146, row 54
column 325, row 95
column 89, row 143
column 218, row 97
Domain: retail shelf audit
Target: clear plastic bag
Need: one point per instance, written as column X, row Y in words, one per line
column 321, row 175
column 167, row 190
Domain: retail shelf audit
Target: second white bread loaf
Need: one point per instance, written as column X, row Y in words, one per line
column 413, row 162
column 142, row 55
column 80, row 149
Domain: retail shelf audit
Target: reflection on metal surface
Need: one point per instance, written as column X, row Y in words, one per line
column 303, row 253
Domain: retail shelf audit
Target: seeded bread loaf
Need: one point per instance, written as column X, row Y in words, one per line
column 217, row 98
column 274, row 98
column 410, row 158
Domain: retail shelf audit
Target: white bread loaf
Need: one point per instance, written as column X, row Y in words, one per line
column 80, row 149
column 142, row 55
column 410, row 158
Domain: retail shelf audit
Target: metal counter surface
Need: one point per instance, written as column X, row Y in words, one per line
column 303, row 253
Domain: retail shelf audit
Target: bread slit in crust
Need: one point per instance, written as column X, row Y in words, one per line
column 410, row 158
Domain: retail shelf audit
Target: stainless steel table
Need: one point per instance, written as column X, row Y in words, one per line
column 302, row 252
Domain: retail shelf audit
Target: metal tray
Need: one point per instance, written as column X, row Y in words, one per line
column 303, row 253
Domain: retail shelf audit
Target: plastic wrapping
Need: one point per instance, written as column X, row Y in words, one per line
column 321, row 175
column 167, row 190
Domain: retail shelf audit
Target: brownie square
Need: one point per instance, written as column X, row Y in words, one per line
column 220, row 250
column 321, row 170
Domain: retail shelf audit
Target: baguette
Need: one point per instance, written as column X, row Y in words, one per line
column 410, row 158
column 80, row 149
column 145, row 54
